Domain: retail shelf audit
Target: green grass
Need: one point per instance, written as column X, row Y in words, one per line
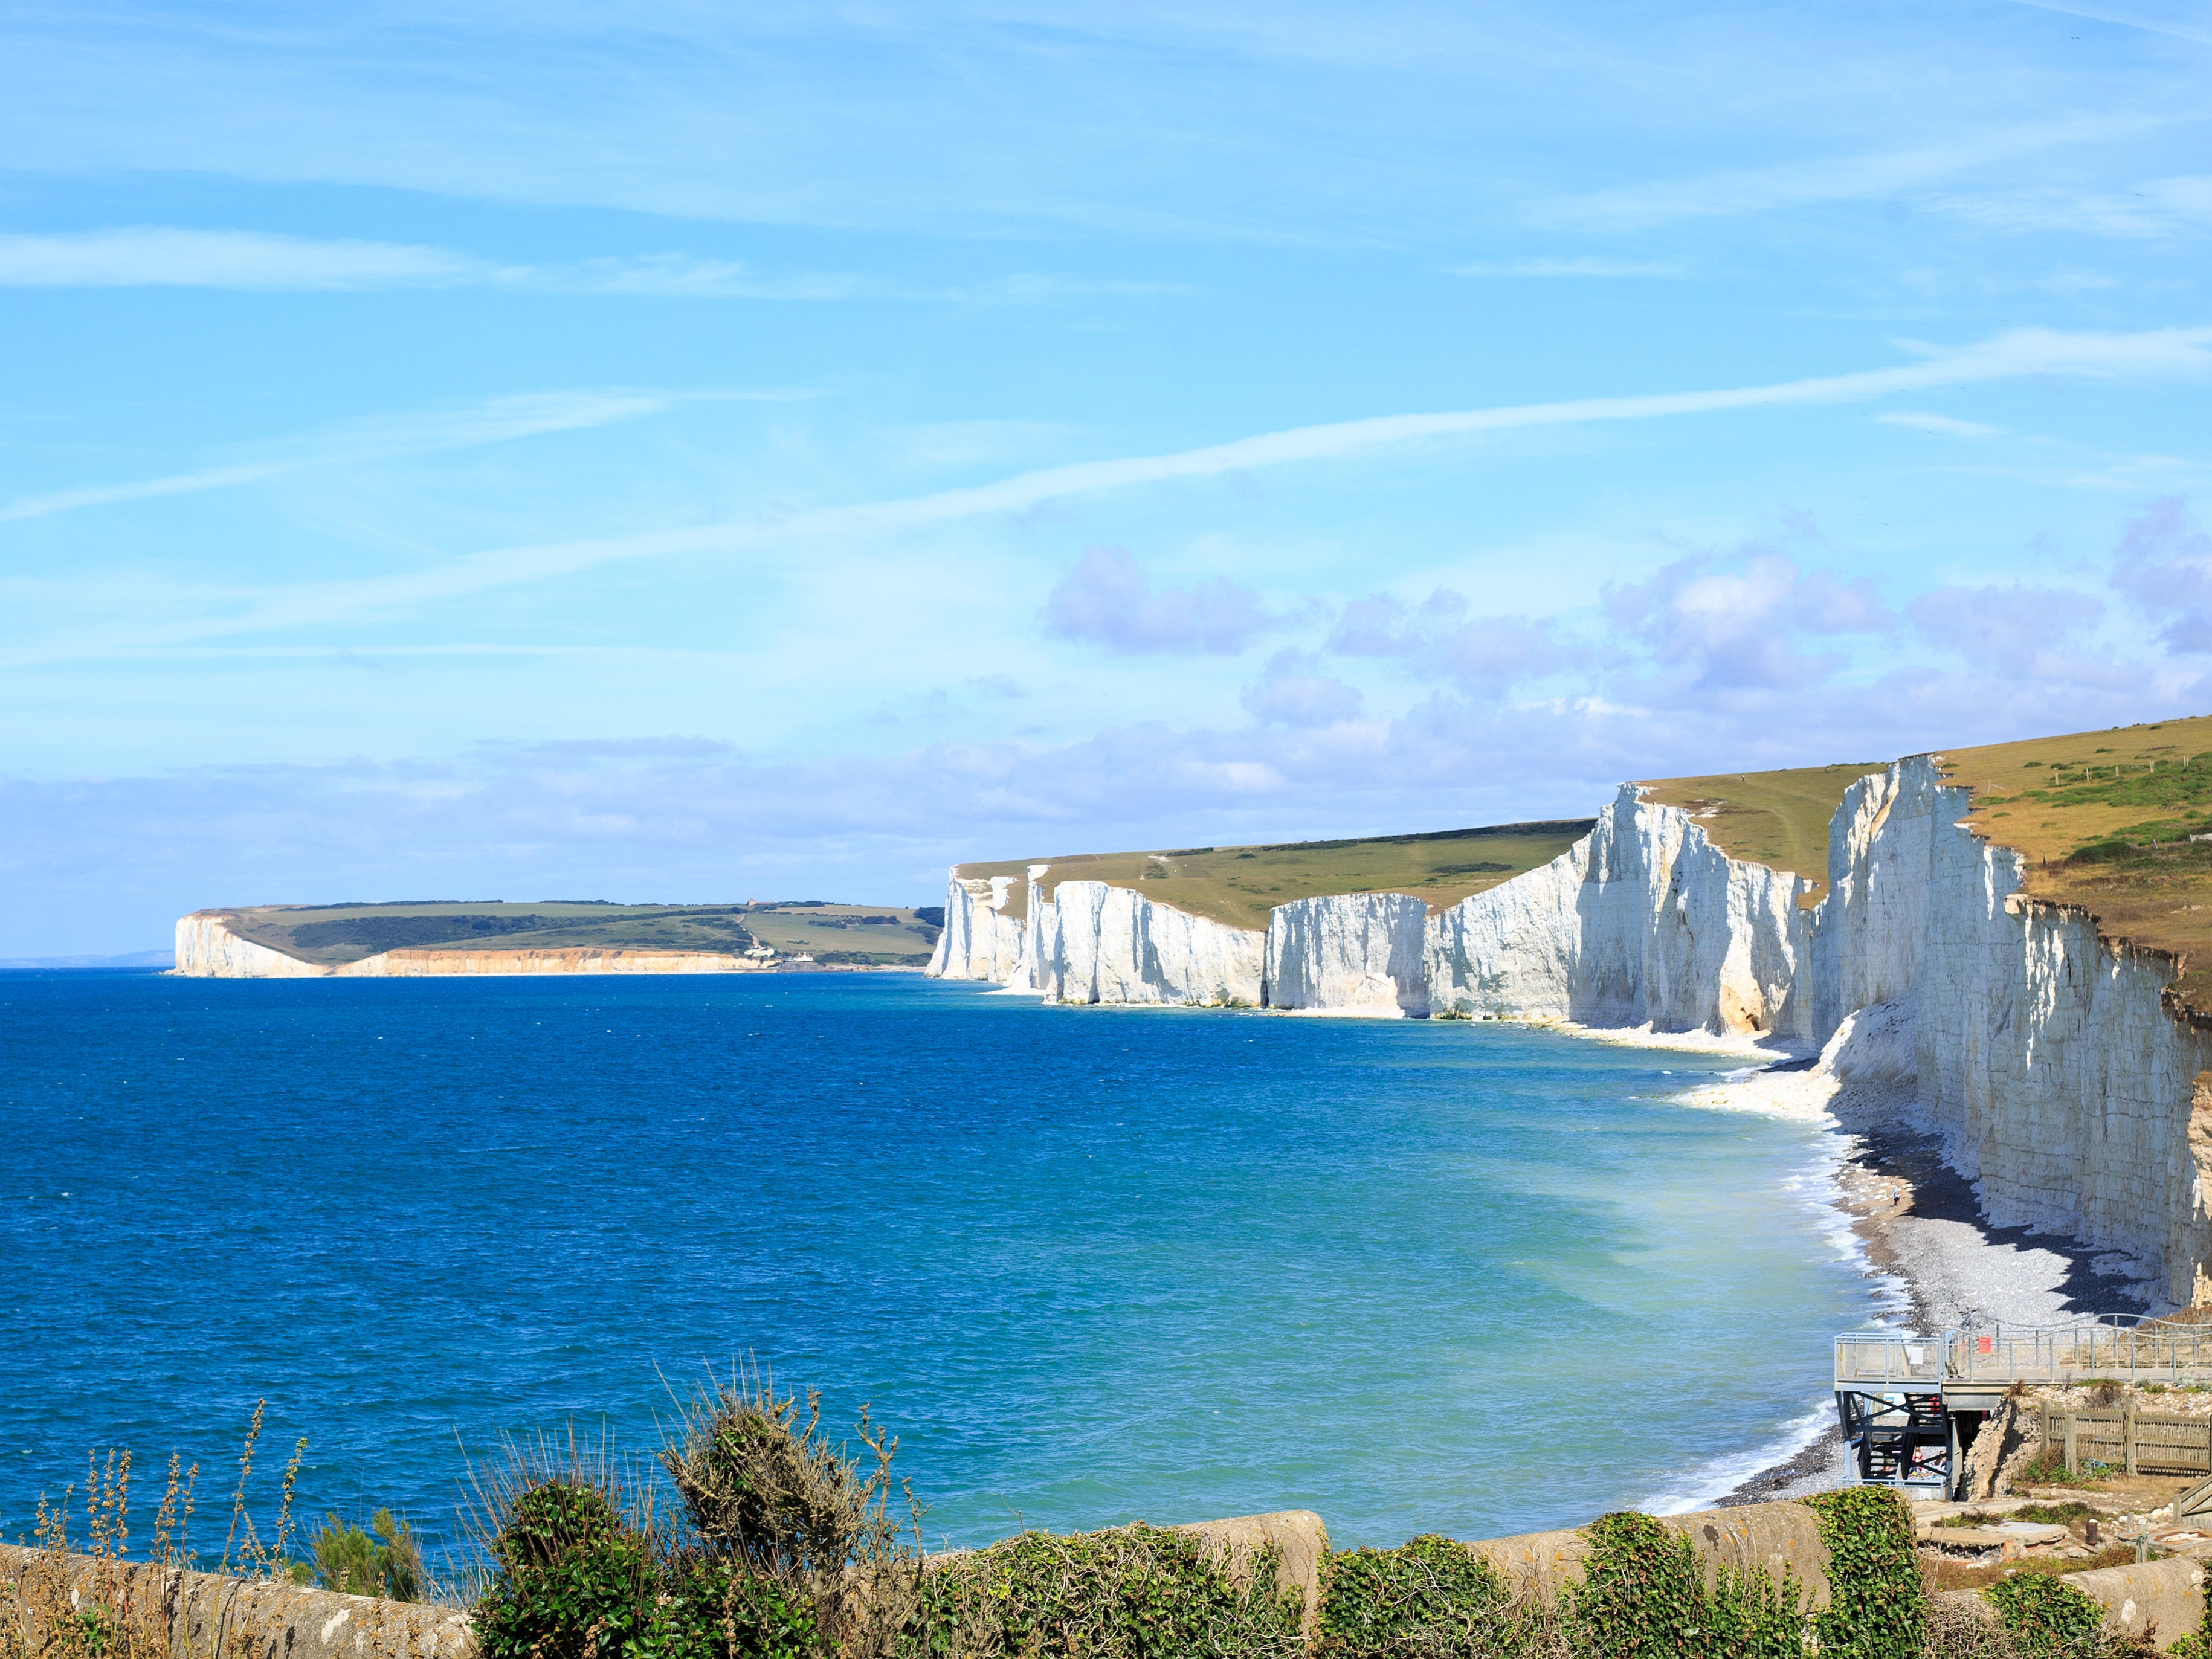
column 1240, row 884
column 2103, row 819
column 332, row 935
column 1779, row 819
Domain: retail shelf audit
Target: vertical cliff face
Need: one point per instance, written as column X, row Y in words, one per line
column 980, row 940
column 1351, row 953
column 2046, row 1058
column 207, row 949
column 1093, row 943
column 1643, row 923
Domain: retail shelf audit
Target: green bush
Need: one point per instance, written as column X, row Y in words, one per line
column 1428, row 1595
column 2046, row 1617
column 1132, row 1593
column 1644, row 1593
column 1877, row 1602
column 576, row 1580
column 718, row 1610
column 384, row 1561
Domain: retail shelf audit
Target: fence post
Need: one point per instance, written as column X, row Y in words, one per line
column 2071, row 1442
column 2127, row 1435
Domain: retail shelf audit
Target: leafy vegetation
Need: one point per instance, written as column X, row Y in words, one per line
column 785, row 1547
column 1877, row 1605
column 384, row 1561
column 1431, row 1594
column 1644, row 1593
column 1136, row 1592
column 2046, row 1617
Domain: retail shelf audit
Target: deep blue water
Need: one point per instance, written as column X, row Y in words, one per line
column 1090, row 1264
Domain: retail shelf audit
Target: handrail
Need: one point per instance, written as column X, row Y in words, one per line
column 2125, row 1347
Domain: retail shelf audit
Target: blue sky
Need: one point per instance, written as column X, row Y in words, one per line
column 691, row 451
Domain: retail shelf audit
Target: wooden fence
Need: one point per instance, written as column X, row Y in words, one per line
column 2144, row 1441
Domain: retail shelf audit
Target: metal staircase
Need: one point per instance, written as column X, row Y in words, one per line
column 1910, row 1406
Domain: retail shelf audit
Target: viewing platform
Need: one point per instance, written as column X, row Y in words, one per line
column 1911, row 1405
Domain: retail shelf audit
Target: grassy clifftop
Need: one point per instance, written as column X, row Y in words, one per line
column 2103, row 820
column 1779, row 819
column 330, row 935
column 1240, row 884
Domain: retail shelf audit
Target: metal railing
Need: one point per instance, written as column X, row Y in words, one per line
column 1877, row 1360
column 2125, row 1347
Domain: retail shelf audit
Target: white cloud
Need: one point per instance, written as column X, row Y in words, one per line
column 2170, row 353
column 2021, row 631
column 1485, row 655
column 2155, row 208
column 160, row 256
column 1944, row 423
column 1108, row 600
column 497, row 420
column 1724, row 626
column 1850, row 178
column 1293, row 692
column 2164, row 564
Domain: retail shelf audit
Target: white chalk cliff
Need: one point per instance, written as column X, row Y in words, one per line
column 2048, row 1061
column 207, row 949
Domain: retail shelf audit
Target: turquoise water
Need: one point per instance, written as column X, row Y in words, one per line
column 1090, row 1264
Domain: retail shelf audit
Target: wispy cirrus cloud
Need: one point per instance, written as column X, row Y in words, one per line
column 1848, row 177
column 162, row 256
column 2153, row 354
column 2155, row 208
column 1942, row 423
column 2189, row 28
column 498, row 420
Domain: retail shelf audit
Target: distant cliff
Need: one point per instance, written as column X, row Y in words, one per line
column 2063, row 1079
column 207, row 949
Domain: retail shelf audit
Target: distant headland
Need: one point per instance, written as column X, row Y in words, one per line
column 424, row 938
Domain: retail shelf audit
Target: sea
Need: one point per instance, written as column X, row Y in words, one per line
column 1089, row 1266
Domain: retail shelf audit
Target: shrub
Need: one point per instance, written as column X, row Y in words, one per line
column 784, row 1547
column 577, row 1578
column 2046, row 1617
column 772, row 1498
column 1428, row 1595
column 1877, row 1602
column 1643, row 1593
column 1134, row 1592
column 384, row 1561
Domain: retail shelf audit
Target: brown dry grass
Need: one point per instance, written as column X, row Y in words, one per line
column 96, row 1603
column 1779, row 819
column 1963, row 1575
column 2161, row 899
column 1239, row 885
